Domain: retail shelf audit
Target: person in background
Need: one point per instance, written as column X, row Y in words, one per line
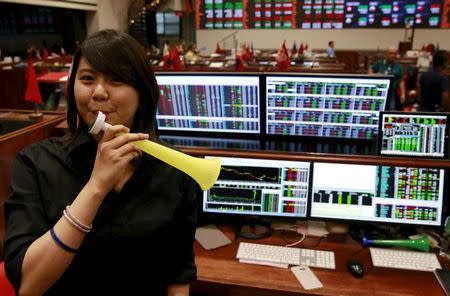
column 91, row 214
column 181, row 47
column 388, row 66
column 330, row 49
column 191, row 56
column 433, row 85
column 424, row 60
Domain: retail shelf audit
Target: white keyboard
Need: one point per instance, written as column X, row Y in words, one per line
column 404, row 259
column 286, row 255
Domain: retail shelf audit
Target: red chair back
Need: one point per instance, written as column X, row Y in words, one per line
column 6, row 289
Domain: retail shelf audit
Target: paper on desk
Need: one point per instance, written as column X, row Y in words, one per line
column 210, row 237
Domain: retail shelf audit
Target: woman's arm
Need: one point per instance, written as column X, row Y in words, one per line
column 178, row 290
column 45, row 260
column 402, row 91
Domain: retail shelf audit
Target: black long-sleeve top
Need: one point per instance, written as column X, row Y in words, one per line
column 142, row 237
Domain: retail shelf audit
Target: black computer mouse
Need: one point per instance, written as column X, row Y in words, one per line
column 355, row 268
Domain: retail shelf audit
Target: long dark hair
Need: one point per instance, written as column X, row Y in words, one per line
column 119, row 56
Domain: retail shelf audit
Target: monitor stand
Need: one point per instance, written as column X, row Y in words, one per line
column 253, row 228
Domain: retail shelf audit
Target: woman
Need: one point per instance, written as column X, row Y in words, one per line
column 130, row 224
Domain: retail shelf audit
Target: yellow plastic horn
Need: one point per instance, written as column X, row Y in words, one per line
column 204, row 171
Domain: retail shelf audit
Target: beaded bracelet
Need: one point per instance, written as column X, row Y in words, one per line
column 75, row 222
column 60, row 243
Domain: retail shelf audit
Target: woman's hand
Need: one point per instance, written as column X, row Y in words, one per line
column 114, row 152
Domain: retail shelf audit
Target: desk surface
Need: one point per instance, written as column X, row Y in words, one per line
column 219, row 273
column 53, row 77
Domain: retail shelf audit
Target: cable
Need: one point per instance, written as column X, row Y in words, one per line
column 297, row 242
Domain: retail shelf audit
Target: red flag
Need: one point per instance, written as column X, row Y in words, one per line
column 188, row 7
column 32, row 93
column 45, row 54
column 218, row 49
column 246, row 54
column 301, row 49
column 284, row 48
column 294, row 49
column 282, row 58
column 175, row 59
column 239, row 63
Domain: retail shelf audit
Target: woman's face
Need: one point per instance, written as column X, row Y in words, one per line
column 94, row 91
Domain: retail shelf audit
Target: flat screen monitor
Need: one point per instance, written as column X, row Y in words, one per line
column 329, row 106
column 208, row 103
column 260, row 187
column 413, row 134
column 371, row 193
column 212, row 142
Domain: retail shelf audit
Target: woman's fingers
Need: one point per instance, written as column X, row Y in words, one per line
column 124, row 151
column 112, row 132
column 121, row 139
column 117, row 141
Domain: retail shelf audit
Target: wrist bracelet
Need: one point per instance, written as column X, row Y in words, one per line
column 60, row 243
column 75, row 222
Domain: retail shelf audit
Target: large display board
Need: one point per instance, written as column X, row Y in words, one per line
column 320, row 14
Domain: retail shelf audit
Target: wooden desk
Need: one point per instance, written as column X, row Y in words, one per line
column 219, row 273
column 53, row 77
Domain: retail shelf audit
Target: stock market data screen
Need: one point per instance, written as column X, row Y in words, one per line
column 370, row 193
column 320, row 14
column 331, row 107
column 259, row 187
column 414, row 134
column 209, row 103
column 393, row 14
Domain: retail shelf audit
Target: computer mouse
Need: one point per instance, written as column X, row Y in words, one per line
column 355, row 268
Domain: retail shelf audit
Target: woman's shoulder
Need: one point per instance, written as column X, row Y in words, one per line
column 53, row 145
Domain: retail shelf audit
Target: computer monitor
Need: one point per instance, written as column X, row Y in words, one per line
column 382, row 194
column 259, row 187
column 416, row 134
column 325, row 105
column 212, row 142
column 209, row 104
